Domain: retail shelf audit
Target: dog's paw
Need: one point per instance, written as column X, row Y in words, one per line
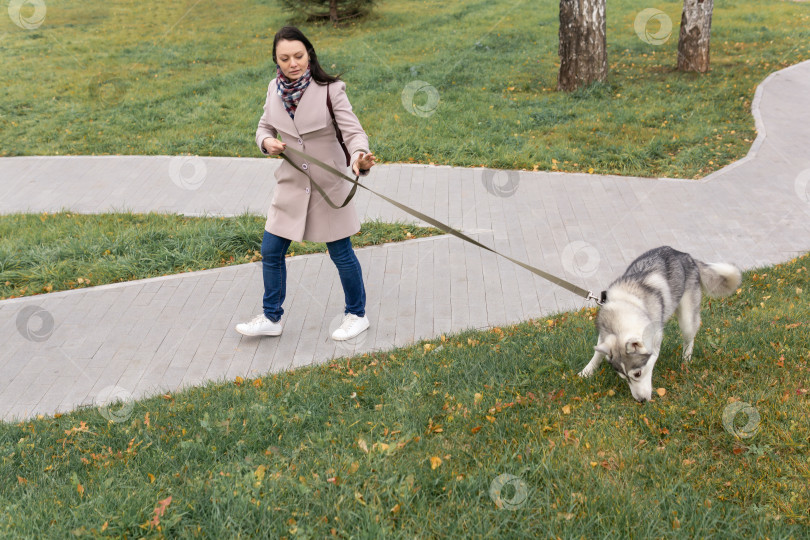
column 585, row 373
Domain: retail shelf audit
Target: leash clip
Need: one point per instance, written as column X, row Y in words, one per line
column 598, row 299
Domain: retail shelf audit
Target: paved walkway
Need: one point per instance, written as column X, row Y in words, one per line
column 132, row 339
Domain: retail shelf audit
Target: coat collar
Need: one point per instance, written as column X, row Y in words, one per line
column 309, row 116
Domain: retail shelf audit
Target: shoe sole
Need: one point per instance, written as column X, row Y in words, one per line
column 259, row 333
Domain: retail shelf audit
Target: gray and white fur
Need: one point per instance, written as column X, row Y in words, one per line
column 659, row 283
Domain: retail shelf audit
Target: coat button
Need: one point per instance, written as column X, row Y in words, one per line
column 307, row 190
column 304, row 166
column 300, row 141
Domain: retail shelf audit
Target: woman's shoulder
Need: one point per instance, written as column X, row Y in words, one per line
column 271, row 86
column 336, row 86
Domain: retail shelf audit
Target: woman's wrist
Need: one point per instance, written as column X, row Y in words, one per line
column 264, row 148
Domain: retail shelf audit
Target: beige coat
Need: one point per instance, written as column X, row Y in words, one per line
column 297, row 211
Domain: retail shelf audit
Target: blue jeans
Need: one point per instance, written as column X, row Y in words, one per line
column 274, row 272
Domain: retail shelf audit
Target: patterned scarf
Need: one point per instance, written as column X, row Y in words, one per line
column 291, row 91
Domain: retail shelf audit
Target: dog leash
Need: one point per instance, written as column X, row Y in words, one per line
column 579, row 291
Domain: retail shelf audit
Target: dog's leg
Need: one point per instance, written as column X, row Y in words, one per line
column 689, row 321
column 593, row 365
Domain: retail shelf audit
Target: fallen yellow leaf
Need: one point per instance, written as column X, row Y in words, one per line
column 435, row 461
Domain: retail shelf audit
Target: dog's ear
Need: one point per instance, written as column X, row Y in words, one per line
column 605, row 345
column 635, row 346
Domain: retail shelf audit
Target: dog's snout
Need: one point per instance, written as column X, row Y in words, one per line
column 641, row 397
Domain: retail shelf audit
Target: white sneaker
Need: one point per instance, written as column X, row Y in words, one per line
column 351, row 326
column 260, row 326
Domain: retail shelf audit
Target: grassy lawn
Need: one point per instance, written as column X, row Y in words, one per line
column 413, row 441
column 479, row 434
column 41, row 253
column 127, row 77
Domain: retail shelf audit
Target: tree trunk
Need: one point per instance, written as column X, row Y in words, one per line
column 333, row 13
column 583, row 43
column 693, row 42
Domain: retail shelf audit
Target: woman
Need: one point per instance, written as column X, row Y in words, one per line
column 296, row 108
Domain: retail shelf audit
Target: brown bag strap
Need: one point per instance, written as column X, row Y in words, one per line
column 334, row 123
column 319, row 188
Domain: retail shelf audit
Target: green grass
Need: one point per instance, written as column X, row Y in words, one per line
column 190, row 77
column 42, row 253
column 406, row 442
column 349, row 448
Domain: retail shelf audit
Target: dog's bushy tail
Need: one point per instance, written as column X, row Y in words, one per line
column 719, row 279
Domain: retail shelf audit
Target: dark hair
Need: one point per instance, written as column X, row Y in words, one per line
column 291, row 33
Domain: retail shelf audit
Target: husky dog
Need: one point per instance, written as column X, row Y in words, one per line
column 631, row 321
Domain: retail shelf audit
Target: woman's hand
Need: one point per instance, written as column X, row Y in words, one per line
column 364, row 161
column 273, row 146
